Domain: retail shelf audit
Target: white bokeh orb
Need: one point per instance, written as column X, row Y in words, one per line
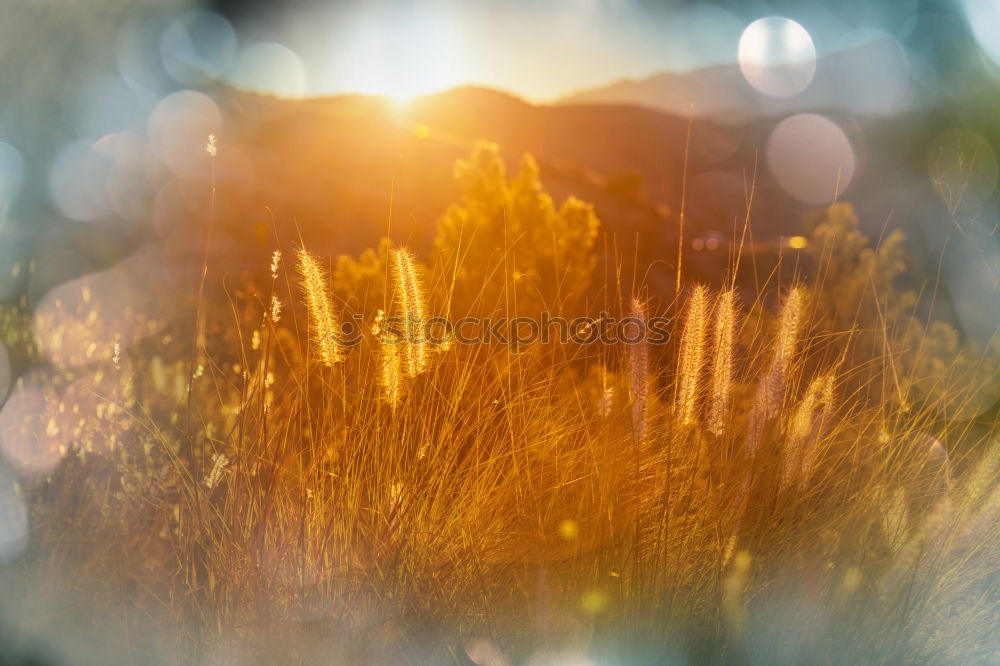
column 777, row 56
column 811, row 158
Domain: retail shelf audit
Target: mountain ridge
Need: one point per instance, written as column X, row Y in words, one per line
column 872, row 77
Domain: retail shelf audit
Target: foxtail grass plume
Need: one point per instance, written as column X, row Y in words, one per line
column 982, row 520
column 923, row 548
column 219, row 463
column 822, row 416
column 692, row 357
column 789, row 329
column 723, row 341
column 734, row 585
column 639, row 379
column 275, row 263
column 727, row 550
column 984, row 474
column 799, row 450
column 932, row 539
column 391, row 374
column 410, row 301
column 275, row 309
column 770, row 394
column 323, row 321
column 759, row 414
column 607, row 399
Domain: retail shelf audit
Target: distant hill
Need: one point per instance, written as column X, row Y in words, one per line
column 870, row 77
column 340, row 172
column 334, row 165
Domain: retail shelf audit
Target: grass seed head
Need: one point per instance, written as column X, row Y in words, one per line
column 323, row 320
column 639, row 375
column 410, row 302
column 692, row 357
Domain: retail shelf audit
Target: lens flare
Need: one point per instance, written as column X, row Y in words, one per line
column 269, row 68
column 777, row 56
column 28, row 436
column 811, row 158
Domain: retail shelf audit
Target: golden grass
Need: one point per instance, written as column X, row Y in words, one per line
column 323, row 321
column 410, row 304
column 723, row 342
column 639, row 374
column 506, row 504
column 692, row 358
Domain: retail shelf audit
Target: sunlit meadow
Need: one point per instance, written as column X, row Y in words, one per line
column 292, row 426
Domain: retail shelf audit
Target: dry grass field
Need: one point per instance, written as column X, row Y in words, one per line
column 798, row 470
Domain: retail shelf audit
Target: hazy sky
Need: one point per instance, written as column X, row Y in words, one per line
column 542, row 50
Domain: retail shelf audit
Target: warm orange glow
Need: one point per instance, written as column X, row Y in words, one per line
column 425, row 57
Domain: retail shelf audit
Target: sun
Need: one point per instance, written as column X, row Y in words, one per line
column 416, row 59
